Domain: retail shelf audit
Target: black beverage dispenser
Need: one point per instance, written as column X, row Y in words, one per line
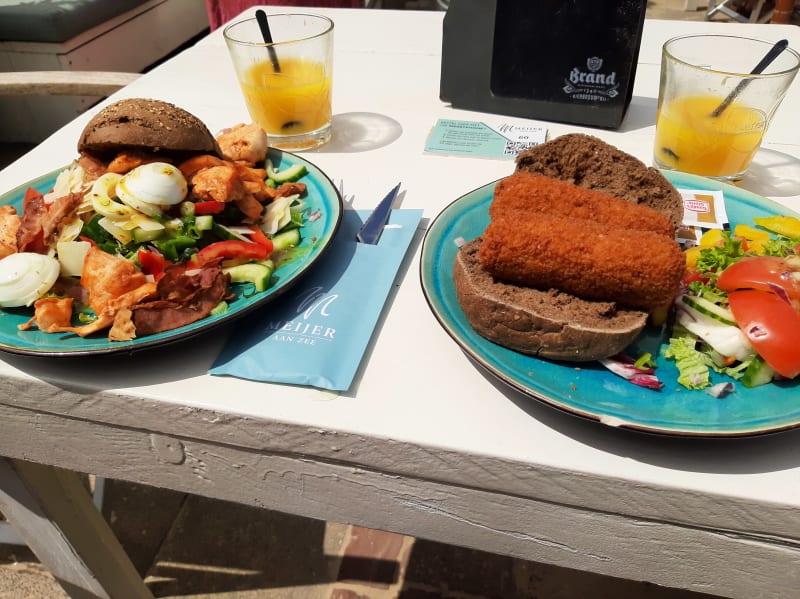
column 569, row 61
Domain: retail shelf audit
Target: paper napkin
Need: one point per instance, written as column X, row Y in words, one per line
column 316, row 334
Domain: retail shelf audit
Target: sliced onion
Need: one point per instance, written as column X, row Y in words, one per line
column 25, row 277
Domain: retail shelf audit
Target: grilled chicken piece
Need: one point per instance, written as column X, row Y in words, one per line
column 9, row 225
column 107, row 277
column 243, row 143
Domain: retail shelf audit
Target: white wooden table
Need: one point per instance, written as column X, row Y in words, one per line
column 425, row 443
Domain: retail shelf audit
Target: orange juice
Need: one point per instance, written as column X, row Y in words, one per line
column 689, row 139
column 294, row 101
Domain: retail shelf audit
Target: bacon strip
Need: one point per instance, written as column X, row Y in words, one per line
column 59, row 212
column 183, row 299
column 29, row 234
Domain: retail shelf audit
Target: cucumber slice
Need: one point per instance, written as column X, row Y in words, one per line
column 292, row 173
column 220, row 308
column 257, row 273
column 224, row 232
column 141, row 235
column 204, row 222
column 708, row 308
column 758, row 373
column 285, row 240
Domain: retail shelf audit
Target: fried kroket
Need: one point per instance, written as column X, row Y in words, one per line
column 635, row 268
column 545, row 195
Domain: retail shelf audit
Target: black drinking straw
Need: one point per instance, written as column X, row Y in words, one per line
column 765, row 62
column 263, row 24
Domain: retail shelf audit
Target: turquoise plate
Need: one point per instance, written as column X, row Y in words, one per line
column 588, row 389
column 322, row 197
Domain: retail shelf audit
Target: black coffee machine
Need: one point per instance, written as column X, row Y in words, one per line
column 569, row 61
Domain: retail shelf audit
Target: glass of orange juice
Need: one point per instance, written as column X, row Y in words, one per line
column 286, row 83
column 712, row 112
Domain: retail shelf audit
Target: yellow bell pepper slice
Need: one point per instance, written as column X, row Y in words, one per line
column 691, row 255
column 788, row 226
column 711, row 238
column 756, row 238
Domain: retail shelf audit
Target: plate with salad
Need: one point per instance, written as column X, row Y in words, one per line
column 169, row 246
column 725, row 363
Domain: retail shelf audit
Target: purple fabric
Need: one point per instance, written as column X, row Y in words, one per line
column 220, row 11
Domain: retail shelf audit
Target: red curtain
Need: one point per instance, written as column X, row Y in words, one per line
column 220, row 11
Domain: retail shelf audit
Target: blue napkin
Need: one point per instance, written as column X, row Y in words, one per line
column 317, row 332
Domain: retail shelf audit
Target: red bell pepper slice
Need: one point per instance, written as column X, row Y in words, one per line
column 209, row 207
column 258, row 236
column 232, row 248
column 151, row 262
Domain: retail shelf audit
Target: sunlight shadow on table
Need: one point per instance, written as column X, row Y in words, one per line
column 641, row 114
column 773, row 174
column 361, row 132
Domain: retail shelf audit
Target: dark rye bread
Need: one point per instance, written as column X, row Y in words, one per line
column 547, row 324
column 144, row 124
column 590, row 162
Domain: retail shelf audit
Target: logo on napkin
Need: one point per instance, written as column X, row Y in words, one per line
column 317, row 333
column 309, row 325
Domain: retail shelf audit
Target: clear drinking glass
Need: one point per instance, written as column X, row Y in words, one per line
column 712, row 113
column 286, row 83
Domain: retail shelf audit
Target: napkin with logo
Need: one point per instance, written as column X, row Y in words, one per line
column 317, row 332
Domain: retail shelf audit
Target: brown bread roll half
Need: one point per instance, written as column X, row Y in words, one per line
column 543, row 323
column 143, row 124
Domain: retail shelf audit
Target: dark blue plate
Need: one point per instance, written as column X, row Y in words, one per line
column 322, row 197
column 588, row 389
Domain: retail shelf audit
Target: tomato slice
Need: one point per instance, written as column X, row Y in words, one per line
column 765, row 273
column 691, row 275
column 772, row 325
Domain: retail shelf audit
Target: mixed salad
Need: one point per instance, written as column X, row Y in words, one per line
column 149, row 248
column 737, row 314
column 739, row 310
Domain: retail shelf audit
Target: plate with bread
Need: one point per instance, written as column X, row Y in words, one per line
column 539, row 277
column 156, row 232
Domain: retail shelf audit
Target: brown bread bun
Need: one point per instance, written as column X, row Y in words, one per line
column 144, row 124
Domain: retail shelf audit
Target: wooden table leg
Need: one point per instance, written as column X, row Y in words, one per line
column 54, row 514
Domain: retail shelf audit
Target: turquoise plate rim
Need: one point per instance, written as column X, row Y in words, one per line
column 322, row 195
column 588, row 390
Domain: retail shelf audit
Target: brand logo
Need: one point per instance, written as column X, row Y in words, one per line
column 591, row 83
column 307, row 328
column 697, row 206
